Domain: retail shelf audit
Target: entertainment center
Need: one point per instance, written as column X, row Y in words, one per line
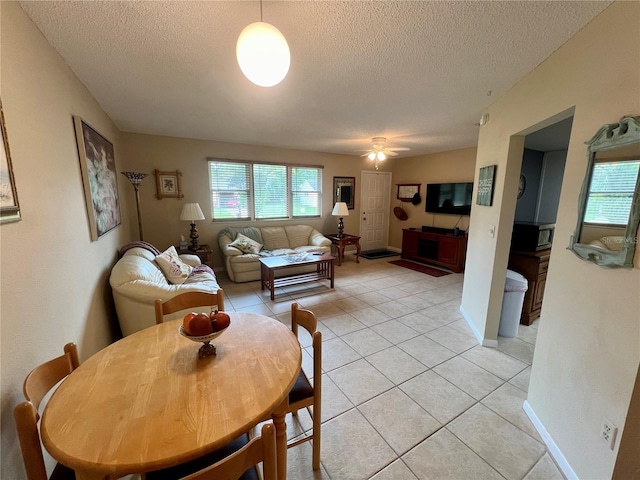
column 446, row 247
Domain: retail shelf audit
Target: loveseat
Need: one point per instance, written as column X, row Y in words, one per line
column 138, row 280
column 242, row 247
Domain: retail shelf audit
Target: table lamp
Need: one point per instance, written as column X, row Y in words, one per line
column 340, row 210
column 192, row 212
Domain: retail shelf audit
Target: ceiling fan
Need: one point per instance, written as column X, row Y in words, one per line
column 379, row 150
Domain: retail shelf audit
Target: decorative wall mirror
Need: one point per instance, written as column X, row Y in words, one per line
column 344, row 189
column 609, row 203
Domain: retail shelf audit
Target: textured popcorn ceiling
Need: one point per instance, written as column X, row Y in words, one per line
column 416, row 72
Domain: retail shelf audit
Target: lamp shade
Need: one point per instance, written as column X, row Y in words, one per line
column 191, row 212
column 263, row 54
column 340, row 210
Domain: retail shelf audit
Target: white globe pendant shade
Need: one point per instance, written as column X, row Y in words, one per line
column 263, row 54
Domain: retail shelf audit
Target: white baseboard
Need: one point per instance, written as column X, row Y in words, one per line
column 554, row 450
column 485, row 342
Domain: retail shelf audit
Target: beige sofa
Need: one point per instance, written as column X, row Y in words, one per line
column 137, row 281
column 245, row 267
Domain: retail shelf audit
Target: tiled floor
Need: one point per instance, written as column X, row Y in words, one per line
column 407, row 392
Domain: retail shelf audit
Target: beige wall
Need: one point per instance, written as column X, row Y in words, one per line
column 160, row 218
column 54, row 279
column 443, row 167
column 588, row 346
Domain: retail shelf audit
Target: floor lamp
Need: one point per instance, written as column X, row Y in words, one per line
column 136, row 179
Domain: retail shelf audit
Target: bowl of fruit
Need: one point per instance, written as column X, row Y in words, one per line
column 202, row 328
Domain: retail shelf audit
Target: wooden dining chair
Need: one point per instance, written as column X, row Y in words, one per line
column 36, row 386
column 304, row 394
column 236, row 460
column 188, row 300
column 243, row 464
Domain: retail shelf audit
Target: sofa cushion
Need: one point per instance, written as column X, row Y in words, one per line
column 245, row 244
column 174, row 269
column 252, row 232
column 137, row 266
column 274, row 238
column 298, row 235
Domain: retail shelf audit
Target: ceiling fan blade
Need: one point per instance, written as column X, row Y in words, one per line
column 399, row 149
column 390, row 152
column 365, row 154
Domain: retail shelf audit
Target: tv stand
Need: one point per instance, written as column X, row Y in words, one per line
column 438, row 246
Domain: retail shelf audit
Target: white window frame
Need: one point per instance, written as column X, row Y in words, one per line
column 251, row 210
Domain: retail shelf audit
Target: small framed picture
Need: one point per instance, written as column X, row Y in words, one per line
column 406, row 191
column 485, row 185
column 168, row 184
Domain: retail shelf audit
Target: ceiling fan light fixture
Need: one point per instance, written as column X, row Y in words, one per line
column 372, row 156
column 263, row 54
column 381, row 156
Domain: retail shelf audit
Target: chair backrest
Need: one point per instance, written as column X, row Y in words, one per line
column 307, row 319
column 260, row 449
column 188, row 300
column 37, row 384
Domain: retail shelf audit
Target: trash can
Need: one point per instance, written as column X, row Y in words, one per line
column 515, row 286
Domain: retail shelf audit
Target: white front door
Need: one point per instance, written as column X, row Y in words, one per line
column 374, row 219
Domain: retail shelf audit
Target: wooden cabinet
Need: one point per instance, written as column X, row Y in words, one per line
column 533, row 266
column 438, row 246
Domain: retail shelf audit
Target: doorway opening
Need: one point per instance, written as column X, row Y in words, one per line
column 538, row 196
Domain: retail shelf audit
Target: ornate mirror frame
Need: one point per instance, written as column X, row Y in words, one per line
column 611, row 136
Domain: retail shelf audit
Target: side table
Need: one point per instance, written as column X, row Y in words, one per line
column 203, row 252
column 341, row 242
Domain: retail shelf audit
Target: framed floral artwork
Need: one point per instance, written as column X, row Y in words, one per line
column 9, row 207
column 99, row 179
column 168, row 184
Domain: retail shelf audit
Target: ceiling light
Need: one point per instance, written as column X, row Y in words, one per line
column 372, row 156
column 381, row 156
column 263, row 53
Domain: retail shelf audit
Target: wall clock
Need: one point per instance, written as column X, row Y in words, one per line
column 522, row 185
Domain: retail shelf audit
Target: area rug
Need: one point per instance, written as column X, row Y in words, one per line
column 418, row 267
column 373, row 254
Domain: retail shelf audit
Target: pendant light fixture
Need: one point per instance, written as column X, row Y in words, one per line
column 263, row 53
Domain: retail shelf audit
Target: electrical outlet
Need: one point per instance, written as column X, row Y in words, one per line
column 608, row 432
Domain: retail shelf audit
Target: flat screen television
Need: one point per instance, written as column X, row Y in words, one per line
column 449, row 198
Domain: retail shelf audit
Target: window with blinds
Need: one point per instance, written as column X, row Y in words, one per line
column 261, row 191
column 611, row 192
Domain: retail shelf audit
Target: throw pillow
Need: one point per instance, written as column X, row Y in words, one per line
column 173, row 268
column 245, row 244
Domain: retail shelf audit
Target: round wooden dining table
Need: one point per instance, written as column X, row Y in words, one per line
column 147, row 402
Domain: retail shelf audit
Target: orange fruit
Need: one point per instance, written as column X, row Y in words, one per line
column 186, row 320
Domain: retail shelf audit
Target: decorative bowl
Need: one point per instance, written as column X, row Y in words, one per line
column 206, row 349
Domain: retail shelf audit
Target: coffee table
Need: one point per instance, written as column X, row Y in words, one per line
column 270, row 265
